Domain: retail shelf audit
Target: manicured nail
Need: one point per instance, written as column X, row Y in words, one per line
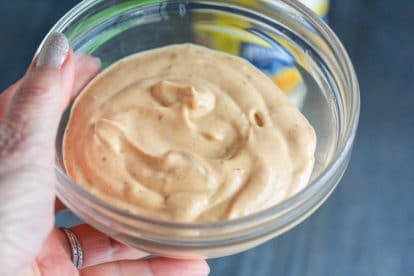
column 201, row 269
column 54, row 51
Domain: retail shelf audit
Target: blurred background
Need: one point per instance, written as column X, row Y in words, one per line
column 367, row 226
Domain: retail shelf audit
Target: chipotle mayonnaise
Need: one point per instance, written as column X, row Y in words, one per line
column 187, row 134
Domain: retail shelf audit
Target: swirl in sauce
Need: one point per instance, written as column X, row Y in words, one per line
column 187, row 134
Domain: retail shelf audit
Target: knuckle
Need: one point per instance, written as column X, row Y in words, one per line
column 33, row 91
column 10, row 137
column 38, row 83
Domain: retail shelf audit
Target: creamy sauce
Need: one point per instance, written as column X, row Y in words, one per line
column 187, row 134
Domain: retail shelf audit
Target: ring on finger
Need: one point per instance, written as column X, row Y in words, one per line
column 76, row 249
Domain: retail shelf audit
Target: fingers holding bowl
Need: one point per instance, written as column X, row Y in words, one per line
column 153, row 267
column 99, row 248
column 103, row 255
column 86, row 68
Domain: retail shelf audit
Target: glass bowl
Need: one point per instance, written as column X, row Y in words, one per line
column 279, row 37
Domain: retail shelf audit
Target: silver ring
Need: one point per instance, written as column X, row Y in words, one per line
column 76, row 249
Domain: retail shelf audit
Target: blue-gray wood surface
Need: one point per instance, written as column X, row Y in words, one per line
column 367, row 226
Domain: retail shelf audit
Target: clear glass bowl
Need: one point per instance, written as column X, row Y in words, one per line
column 114, row 29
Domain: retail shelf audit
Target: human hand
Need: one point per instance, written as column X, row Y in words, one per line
column 30, row 111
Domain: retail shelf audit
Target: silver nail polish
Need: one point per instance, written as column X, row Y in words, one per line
column 54, row 51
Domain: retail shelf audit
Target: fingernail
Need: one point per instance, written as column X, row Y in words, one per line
column 81, row 57
column 98, row 61
column 54, row 51
column 201, row 269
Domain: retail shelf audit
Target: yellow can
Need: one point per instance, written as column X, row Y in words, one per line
column 267, row 54
column 320, row 7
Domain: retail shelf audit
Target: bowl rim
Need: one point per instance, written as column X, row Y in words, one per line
column 314, row 185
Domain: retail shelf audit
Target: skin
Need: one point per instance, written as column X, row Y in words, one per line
column 30, row 111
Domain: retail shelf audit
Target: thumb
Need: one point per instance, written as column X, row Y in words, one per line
column 44, row 92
